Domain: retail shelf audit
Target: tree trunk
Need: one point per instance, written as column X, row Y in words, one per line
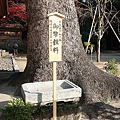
column 98, row 50
column 100, row 35
column 101, row 26
column 75, row 66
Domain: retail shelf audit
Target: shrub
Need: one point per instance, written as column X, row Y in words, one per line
column 17, row 109
column 111, row 67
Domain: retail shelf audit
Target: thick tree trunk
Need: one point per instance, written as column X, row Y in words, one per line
column 75, row 66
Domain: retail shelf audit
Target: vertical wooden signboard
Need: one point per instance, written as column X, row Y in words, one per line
column 55, row 48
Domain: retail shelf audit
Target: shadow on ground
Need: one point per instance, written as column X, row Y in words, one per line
column 101, row 111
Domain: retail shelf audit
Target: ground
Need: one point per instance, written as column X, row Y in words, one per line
column 7, row 91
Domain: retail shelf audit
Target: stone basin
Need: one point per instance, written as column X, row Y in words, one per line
column 42, row 92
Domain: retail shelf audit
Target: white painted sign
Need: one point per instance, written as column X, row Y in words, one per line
column 55, row 37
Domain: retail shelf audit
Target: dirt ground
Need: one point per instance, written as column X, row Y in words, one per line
column 7, row 91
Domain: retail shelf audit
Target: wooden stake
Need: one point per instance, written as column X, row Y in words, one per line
column 54, row 90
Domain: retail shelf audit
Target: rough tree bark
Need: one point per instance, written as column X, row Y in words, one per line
column 75, row 66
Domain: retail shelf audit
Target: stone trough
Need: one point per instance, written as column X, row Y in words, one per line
column 42, row 92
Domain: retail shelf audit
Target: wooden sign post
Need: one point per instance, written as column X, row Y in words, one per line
column 55, row 48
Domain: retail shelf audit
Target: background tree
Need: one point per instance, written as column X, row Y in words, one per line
column 103, row 14
column 76, row 66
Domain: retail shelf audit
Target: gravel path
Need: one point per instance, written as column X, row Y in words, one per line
column 6, row 63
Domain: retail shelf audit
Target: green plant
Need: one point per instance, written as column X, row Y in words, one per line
column 86, row 44
column 111, row 67
column 17, row 109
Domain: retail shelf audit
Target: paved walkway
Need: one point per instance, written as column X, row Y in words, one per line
column 21, row 62
column 105, row 56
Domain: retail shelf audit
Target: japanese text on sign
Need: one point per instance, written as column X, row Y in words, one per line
column 55, row 38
